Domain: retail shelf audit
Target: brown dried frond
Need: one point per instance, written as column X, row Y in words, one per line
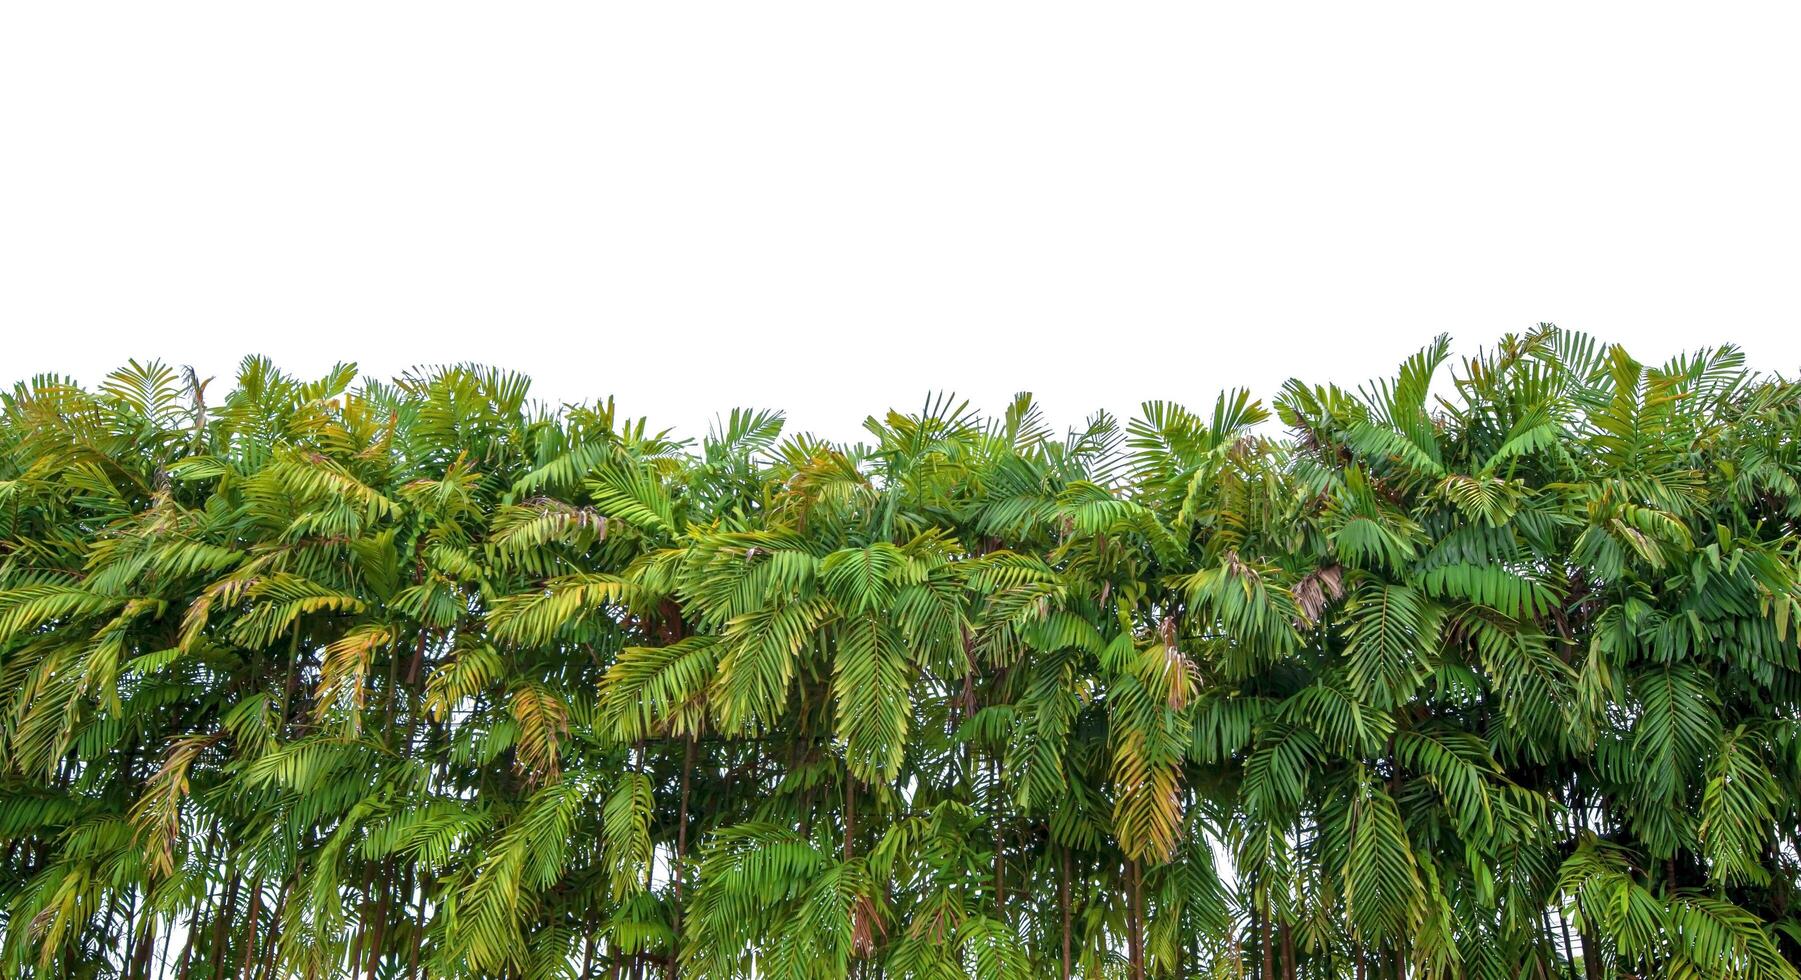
column 1318, row 588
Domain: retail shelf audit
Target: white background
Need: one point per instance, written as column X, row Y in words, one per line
column 836, row 207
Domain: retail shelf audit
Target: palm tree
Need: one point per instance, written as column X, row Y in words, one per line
column 1485, row 669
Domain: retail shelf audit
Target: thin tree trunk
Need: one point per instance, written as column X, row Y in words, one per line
column 187, row 948
column 1563, row 923
column 1591, row 963
column 1394, row 793
column 674, row 631
column 362, row 926
column 412, row 956
column 222, row 922
column 168, row 954
column 131, row 929
column 850, row 814
column 1063, row 903
column 1269, row 948
column 1569, row 948
column 256, row 908
column 588, row 948
column 681, row 842
column 140, row 966
column 272, row 944
column 130, row 933
column 290, row 683
column 1000, row 844
column 1135, row 919
column 381, row 922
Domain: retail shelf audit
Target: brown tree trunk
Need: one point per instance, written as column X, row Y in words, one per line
column 1569, row 948
column 588, row 949
column 221, row 922
column 140, row 966
column 1135, row 919
column 1394, row 793
column 1591, row 962
column 1269, row 948
column 131, row 930
column 412, row 956
column 187, row 948
column 1063, row 903
column 362, row 928
column 681, row 848
column 281, row 907
column 256, row 908
column 850, row 814
column 381, row 922
column 1000, row 844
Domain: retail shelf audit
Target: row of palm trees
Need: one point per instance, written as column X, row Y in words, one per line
column 1489, row 670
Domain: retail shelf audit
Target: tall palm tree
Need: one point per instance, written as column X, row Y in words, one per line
column 1488, row 669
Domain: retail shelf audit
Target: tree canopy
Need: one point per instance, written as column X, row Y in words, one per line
column 1491, row 668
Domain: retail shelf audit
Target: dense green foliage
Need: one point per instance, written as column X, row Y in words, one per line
column 1497, row 678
